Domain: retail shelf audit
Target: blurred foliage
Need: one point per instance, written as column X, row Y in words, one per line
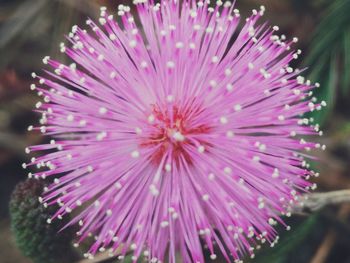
column 34, row 28
column 298, row 237
column 38, row 240
column 329, row 56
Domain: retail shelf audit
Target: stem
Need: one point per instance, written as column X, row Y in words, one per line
column 316, row 201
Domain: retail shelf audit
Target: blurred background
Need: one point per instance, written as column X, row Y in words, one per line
column 31, row 29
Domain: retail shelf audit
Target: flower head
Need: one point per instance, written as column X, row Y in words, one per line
column 174, row 129
column 36, row 240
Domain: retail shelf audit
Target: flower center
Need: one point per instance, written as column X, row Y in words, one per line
column 175, row 131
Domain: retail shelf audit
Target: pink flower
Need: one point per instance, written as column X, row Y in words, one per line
column 179, row 133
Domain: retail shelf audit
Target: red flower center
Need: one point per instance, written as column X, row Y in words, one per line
column 174, row 130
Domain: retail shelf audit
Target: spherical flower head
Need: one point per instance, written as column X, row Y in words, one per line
column 175, row 130
column 34, row 237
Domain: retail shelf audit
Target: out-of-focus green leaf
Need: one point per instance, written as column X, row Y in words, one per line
column 34, row 28
column 346, row 77
column 288, row 243
column 327, row 75
column 330, row 48
column 27, row 11
column 330, row 30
